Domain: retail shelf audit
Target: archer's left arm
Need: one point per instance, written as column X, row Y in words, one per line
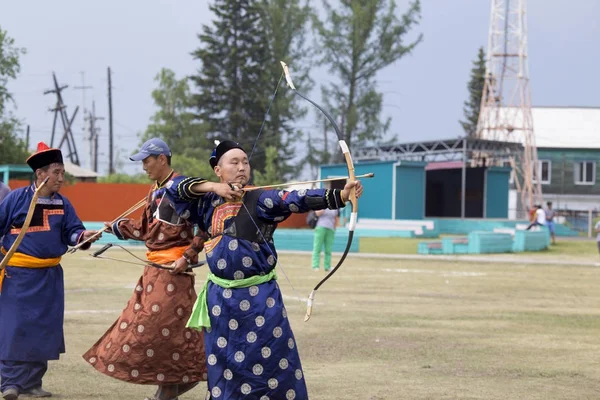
column 278, row 205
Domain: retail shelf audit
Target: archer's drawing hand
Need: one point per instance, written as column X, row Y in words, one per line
column 228, row 191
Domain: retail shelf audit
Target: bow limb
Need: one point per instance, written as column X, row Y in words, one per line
column 351, row 176
column 351, row 226
column 24, row 228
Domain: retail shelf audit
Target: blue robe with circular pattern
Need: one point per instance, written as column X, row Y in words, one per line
column 250, row 348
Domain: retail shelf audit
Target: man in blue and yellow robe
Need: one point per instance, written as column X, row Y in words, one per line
column 31, row 285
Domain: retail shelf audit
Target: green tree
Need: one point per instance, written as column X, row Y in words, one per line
column 358, row 39
column 239, row 55
column 270, row 174
column 233, row 81
column 173, row 122
column 475, row 86
column 287, row 23
column 318, row 148
column 193, row 165
column 12, row 148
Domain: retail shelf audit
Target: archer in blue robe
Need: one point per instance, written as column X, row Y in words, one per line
column 32, row 299
column 251, row 351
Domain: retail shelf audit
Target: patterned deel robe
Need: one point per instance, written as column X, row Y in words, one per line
column 250, row 347
column 149, row 343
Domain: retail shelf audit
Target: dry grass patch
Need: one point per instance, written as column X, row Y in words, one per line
column 389, row 329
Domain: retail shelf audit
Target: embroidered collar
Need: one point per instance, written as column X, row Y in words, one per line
column 168, row 178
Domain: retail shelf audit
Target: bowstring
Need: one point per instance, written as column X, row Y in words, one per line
column 266, row 115
column 244, row 205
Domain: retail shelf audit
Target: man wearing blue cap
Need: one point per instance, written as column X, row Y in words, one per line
column 149, row 343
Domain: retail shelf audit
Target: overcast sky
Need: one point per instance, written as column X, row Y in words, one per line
column 424, row 92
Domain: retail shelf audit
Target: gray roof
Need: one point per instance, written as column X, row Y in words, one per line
column 79, row 172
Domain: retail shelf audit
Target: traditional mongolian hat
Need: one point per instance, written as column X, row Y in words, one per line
column 44, row 156
column 222, row 148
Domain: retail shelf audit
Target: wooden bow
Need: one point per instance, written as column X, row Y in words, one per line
column 352, row 199
column 25, row 226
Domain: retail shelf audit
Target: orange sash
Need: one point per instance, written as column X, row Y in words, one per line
column 166, row 256
column 23, row 260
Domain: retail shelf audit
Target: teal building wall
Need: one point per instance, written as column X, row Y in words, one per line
column 496, row 192
column 410, row 190
column 396, row 192
column 376, row 201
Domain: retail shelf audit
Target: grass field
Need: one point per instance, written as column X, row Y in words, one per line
column 391, row 329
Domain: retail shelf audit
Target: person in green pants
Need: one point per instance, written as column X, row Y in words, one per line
column 324, row 235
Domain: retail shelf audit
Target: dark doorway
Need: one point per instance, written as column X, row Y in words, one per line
column 443, row 193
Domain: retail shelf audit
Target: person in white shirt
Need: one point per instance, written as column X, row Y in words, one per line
column 540, row 218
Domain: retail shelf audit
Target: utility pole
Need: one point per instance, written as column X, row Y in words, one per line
column 60, row 110
column 83, row 89
column 506, row 102
column 27, row 139
column 91, row 119
column 111, row 168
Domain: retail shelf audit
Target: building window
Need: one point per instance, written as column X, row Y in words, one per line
column 543, row 172
column 585, row 173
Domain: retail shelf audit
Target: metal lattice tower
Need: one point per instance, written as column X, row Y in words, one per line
column 506, row 102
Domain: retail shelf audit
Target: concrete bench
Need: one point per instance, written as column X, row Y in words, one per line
column 455, row 245
column 483, row 242
column 531, row 240
column 420, row 228
column 430, row 247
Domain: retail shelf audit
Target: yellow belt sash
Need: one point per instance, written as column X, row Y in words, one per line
column 22, row 260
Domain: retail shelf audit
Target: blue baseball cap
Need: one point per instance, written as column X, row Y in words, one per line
column 152, row 147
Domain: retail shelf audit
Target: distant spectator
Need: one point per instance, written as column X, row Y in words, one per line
column 597, row 228
column 550, row 214
column 540, row 217
column 324, row 237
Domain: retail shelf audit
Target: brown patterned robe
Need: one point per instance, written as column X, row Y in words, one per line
column 149, row 343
